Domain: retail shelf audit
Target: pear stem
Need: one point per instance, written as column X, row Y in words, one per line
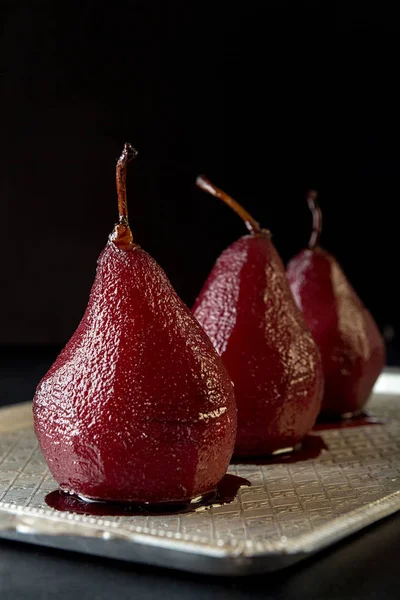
column 127, row 154
column 312, row 200
column 122, row 235
column 205, row 184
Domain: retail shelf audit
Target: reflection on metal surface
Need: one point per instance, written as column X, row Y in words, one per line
column 293, row 508
column 388, row 382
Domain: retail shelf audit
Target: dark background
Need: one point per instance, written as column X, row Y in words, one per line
column 265, row 98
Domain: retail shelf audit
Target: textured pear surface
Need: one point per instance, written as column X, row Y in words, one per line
column 248, row 312
column 138, row 406
column 352, row 349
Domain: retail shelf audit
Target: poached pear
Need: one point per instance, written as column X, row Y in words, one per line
column 248, row 311
column 351, row 346
column 138, row 407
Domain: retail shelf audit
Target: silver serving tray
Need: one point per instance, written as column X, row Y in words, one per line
column 292, row 509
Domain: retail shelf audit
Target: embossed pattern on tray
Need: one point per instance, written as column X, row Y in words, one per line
column 290, row 507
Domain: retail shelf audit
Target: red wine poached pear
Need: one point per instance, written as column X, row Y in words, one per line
column 351, row 346
column 248, row 311
column 138, row 407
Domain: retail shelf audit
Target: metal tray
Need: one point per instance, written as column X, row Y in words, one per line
column 295, row 506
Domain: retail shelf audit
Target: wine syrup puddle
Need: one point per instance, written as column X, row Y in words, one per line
column 359, row 420
column 225, row 493
column 310, row 448
column 312, row 445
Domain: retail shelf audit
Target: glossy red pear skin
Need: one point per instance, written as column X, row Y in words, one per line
column 248, row 312
column 138, row 406
column 352, row 349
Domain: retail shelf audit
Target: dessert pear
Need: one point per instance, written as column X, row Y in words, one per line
column 351, row 346
column 138, row 407
column 248, row 311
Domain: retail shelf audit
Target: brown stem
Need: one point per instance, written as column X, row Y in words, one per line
column 206, row 185
column 312, row 200
column 122, row 235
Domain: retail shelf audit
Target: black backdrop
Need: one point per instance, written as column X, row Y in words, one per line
column 265, row 98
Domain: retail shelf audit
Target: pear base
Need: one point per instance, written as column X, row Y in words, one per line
column 284, row 451
column 331, row 417
column 136, row 502
column 351, row 415
column 75, row 503
column 288, row 450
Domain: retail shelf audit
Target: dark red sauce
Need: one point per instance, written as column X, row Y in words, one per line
column 356, row 420
column 225, row 493
column 311, row 447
